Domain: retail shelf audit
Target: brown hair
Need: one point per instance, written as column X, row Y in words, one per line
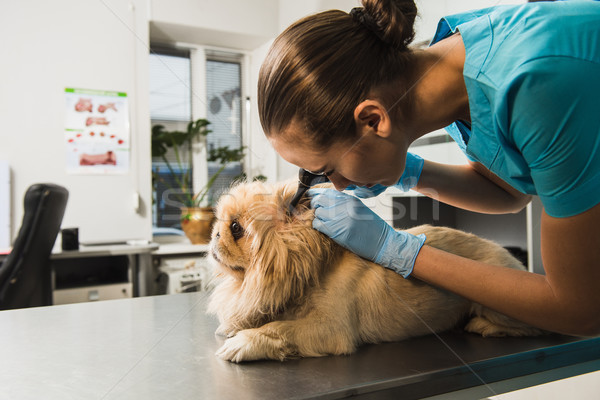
column 321, row 67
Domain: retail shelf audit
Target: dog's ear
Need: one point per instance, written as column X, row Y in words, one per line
column 287, row 253
column 286, row 262
column 285, row 192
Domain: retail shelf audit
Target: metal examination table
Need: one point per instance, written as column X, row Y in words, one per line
column 163, row 347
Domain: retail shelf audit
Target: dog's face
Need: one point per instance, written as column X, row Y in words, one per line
column 256, row 242
column 248, row 218
column 244, row 215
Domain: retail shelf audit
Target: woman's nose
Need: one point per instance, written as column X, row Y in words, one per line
column 339, row 182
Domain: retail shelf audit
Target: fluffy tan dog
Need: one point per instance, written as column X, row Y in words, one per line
column 289, row 291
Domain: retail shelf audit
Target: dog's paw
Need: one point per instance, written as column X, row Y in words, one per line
column 250, row 345
column 486, row 328
column 224, row 330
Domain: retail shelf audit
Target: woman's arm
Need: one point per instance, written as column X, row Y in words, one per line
column 566, row 299
column 472, row 187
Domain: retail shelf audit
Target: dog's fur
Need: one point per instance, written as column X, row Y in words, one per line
column 288, row 290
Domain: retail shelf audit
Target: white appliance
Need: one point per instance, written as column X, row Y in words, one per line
column 181, row 275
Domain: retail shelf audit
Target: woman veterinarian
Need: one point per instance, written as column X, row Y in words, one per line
column 515, row 86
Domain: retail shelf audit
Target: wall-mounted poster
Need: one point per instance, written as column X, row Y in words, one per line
column 96, row 131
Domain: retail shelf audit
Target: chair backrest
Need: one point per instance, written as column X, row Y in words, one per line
column 25, row 273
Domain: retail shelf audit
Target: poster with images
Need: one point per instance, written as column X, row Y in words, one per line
column 97, row 136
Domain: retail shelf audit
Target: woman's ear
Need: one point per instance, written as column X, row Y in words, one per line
column 372, row 116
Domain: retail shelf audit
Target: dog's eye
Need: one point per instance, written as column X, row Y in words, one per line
column 236, row 230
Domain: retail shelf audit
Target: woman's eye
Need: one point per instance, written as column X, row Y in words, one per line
column 236, row 230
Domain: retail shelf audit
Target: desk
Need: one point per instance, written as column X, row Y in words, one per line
column 141, row 262
column 180, row 249
column 104, row 250
column 162, row 347
column 97, row 250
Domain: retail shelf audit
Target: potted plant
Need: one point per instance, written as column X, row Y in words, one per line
column 197, row 216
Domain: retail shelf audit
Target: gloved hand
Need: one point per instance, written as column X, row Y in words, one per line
column 353, row 225
column 408, row 180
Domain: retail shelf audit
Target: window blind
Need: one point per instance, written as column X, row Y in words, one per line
column 223, row 82
column 170, row 88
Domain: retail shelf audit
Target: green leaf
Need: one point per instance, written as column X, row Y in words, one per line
column 163, row 140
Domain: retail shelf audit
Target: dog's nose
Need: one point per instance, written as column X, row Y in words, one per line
column 218, row 235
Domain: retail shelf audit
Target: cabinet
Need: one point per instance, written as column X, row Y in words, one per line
column 79, row 280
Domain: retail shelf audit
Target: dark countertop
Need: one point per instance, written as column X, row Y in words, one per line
column 163, row 347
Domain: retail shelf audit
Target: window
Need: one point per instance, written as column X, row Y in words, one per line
column 223, row 83
column 170, row 106
column 171, row 103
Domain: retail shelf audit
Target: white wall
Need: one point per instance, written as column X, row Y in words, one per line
column 290, row 10
column 48, row 46
column 99, row 45
column 236, row 24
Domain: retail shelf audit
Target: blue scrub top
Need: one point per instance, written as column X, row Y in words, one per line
column 532, row 74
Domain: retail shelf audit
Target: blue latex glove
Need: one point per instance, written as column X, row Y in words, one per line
column 353, row 225
column 408, row 180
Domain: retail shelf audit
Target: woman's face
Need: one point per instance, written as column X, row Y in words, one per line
column 366, row 161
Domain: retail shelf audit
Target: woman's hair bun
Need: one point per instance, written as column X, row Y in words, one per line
column 394, row 19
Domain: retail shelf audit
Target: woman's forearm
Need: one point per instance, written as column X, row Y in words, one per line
column 565, row 300
column 519, row 294
column 470, row 187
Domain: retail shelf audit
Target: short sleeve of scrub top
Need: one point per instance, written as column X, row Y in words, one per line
column 532, row 74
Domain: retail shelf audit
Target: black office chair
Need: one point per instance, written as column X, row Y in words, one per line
column 25, row 273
